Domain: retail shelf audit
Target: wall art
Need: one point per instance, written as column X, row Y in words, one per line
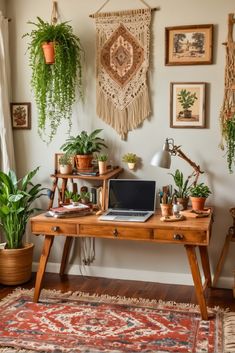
column 187, row 104
column 189, row 45
column 21, row 115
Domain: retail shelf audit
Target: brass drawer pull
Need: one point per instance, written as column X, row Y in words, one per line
column 178, row 236
column 115, row 232
column 55, row 228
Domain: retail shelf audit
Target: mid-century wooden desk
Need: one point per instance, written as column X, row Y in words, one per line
column 191, row 233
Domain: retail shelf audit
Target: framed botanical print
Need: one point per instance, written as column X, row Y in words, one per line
column 189, row 45
column 21, row 115
column 187, row 104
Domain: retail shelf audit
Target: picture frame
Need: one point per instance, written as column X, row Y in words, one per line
column 21, row 115
column 188, row 105
column 189, row 45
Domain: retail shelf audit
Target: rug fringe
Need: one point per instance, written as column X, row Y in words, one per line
column 229, row 332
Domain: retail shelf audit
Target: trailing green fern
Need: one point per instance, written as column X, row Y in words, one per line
column 55, row 85
column 229, row 135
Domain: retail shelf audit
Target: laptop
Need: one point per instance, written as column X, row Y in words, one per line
column 130, row 200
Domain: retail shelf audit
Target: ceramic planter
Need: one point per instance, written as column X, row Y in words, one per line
column 102, row 167
column 131, row 165
column 66, row 169
column 84, row 162
column 16, row 265
column 166, row 209
column 183, row 202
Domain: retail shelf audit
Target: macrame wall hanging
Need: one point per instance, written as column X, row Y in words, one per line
column 122, row 61
column 227, row 114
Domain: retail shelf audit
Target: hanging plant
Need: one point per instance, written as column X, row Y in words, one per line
column 55, row 86
column 228, row 133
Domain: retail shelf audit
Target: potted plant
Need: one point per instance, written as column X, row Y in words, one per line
column 85, row 197
column 102, row 163
column 75, row 198
column 82, row 147
column 187, row 100
column 131, row 159
column 66, row 164
column 182, row 188
column 198, row 195
column 16, row 207
column 228, row 135
column 54, row 85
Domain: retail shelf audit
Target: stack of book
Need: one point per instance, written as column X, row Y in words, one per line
column 67, row 211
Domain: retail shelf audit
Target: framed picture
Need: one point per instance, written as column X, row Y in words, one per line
column 187, row 104
column 189, row 45
column 21, row 115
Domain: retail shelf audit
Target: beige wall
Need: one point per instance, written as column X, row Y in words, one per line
column 3, row 6
column 124, row 259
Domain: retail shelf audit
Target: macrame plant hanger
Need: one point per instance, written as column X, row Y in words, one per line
column 107, row 1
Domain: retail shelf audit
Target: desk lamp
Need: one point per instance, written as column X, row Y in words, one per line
column 162, row 158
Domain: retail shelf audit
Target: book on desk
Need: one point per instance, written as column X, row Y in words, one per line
column 67, row 211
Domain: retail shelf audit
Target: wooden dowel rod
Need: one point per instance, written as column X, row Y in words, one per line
column 152, row 9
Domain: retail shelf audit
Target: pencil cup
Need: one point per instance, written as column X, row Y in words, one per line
column 166, row 209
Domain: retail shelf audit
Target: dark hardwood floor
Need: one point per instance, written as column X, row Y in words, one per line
column 178, row 293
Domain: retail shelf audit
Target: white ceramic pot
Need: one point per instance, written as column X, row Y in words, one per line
column 131, row 165
column 66, row 169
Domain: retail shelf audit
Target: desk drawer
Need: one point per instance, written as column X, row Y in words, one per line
column 53, row 228
column 115, row 232
column 180, row 236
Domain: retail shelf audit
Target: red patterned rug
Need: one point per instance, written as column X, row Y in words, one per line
column 79, row 323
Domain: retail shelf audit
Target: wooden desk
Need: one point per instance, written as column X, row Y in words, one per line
column 190, row 233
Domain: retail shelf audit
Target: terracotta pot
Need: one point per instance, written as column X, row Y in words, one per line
column 198, row 203
column 16, row 265
column 102, row 167
column 166, row 209
column 84, row 162
column 183, row 202
column 66, row 169
column 49, row 52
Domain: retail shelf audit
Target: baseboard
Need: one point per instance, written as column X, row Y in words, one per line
column 129, row 274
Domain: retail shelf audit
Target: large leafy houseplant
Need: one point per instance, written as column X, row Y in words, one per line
column 54, row 85
column 16, row 205
column 83, row 146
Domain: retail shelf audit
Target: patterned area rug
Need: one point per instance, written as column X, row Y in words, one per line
column 79, row 323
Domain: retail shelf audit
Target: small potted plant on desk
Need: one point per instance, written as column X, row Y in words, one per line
column 198, row 195
column 16, row 207
column 102, row 163
column 166, row 201
column 131, row 159
column 66, row 164
column 182, row 189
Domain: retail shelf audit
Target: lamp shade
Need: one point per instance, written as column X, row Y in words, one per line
column 161, row 159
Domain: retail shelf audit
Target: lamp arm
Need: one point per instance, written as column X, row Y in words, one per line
column 181, row 154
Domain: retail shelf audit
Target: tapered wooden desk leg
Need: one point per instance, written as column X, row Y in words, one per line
column 205, row 264
column 48, row 241
column 222, row 257
column 197, row 280
column 65, row 256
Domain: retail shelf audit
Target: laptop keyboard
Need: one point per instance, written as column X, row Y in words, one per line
column 128, row 214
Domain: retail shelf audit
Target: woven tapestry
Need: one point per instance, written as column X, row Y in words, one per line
column 122, row 64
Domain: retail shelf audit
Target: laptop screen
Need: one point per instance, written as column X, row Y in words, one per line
column 132, row 194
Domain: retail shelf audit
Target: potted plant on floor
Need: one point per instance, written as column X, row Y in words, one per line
column 83, row 146
column 198, row 195
column 16, row 207
column 54, row 85
column 131, row 159
column 182, row 188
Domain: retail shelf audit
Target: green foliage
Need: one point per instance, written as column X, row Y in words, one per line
column 16, row 199
column 130, row 158
column 229, row 134
column 182, row 185
column 186, row 98
column 102, row 157
column 75, row 197
column 65, row 159
column 68, row 194
column 85, row 195
column 84, row 143
column 54, row 85
column 199, row 190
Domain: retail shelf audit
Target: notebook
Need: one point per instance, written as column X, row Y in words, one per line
column 130, row 200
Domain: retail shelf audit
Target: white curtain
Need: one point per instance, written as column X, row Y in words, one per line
column 7, row 158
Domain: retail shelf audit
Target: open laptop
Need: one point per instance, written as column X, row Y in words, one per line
column 130, row 200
